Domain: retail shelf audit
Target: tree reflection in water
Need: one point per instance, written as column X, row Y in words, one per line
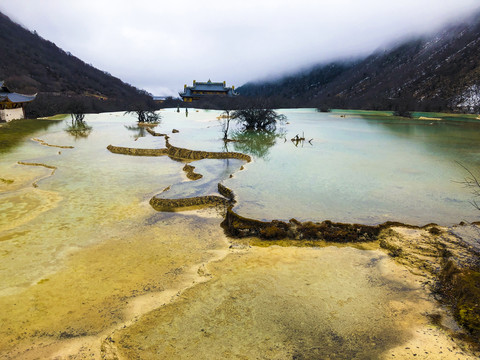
column 255, row 143
column 78, row 128
column 139, row 131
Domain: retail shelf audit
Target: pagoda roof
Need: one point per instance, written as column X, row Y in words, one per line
column 16, row 98
column 189, row 92
column 6, row 95
column 209, row 87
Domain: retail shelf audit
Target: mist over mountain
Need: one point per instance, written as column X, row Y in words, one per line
column 430, row 73
column 434, row 73
column 30, row 64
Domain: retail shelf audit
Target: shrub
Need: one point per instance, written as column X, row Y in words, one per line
column 258, row 118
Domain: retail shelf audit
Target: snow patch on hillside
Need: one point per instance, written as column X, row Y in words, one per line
column 469, row 100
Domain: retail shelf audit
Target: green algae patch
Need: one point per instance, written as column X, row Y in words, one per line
column 197, row 202
column 6, row 181
column 263, row 243
column 14, row 132
column 55, row 117
column 451, row 268
column 460, row 289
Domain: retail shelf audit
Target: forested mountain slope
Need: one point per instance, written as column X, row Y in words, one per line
column 31, row 64
column 441, row 72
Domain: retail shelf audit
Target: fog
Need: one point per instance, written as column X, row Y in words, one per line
column 160, row 46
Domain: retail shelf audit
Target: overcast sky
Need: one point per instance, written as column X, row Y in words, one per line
column 161, row 45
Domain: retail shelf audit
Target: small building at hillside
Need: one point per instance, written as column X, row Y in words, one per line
column 201, row 90
column 11, row 104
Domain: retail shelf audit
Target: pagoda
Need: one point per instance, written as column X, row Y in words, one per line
column 201, row 90
column 11, row 104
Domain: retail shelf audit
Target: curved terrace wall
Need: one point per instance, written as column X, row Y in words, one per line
column 178, row 153
column 136, row 151
column 171, row 205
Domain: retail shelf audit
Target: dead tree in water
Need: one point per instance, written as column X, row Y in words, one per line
column 146, row 116
column 472, row 183
column 225, row 119
column 77, row 113
column 258, row 117
column 78, row 128
column 297, row 139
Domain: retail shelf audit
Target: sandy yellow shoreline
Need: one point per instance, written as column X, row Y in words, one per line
column 280, row 303
column 107, row 299
column 103, row 288
column 97, row 273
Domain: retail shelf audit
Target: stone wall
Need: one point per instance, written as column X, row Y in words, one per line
column 11, row 114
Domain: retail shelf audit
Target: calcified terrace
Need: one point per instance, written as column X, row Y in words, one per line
column 441, row 258
column 239, row 226
column 100, row 229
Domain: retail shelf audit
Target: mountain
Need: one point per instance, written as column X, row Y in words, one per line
column 440, row 72
column 30, row 64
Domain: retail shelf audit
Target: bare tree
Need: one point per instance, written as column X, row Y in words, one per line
column 472, row 183
column 258, row 117
column 77, row 112
column 225, row 119
column 256, row 143
column 145, row 116
column 78, row 128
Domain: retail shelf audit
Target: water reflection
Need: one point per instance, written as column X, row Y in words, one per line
column 255, row 143
column 12, row 133
column 300, row 140
column 362, row 170
column 101, row 232
column 436, row 137
column 78, row 128
column 139, row 131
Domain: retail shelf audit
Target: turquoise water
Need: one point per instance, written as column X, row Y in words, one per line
column 364, row 167
column 363, row 170
column 350, row 169
column 90, row 223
